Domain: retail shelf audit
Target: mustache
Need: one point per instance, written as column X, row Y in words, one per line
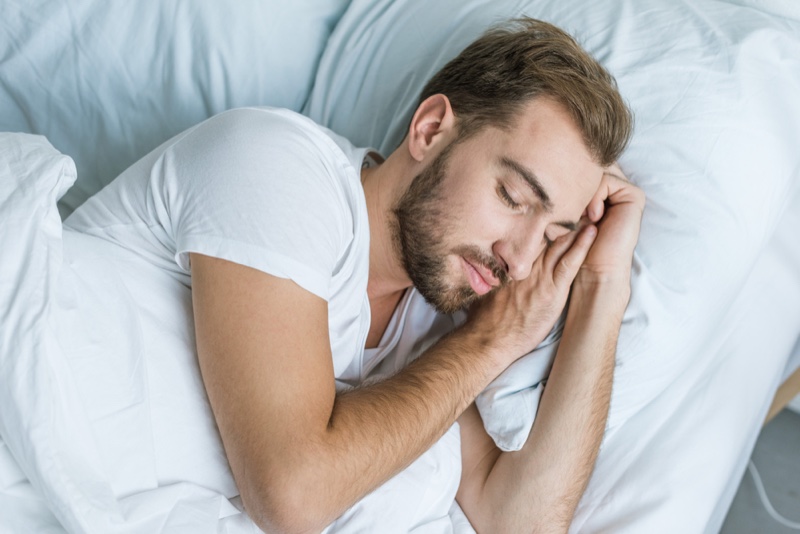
column 477, row 256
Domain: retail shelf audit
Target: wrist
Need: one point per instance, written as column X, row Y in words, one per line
column 609, row 294
column 483, row 345
column 598, row 281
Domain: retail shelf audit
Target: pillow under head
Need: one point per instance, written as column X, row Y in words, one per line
column 713, row 86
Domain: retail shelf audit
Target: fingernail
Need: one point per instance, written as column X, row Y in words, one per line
column 591, row 230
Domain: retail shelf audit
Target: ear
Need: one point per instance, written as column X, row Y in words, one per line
column 432, row 125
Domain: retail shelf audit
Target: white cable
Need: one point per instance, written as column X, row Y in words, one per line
column 765, row 500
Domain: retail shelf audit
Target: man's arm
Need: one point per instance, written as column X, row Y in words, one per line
column 538, row 488
column 300, row 453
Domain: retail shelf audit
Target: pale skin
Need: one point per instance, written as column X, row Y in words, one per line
column 301, row 454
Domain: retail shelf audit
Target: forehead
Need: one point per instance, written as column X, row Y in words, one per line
column 546, row 142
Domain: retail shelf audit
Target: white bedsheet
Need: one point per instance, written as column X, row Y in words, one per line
column 671, row 465
column 706, row 424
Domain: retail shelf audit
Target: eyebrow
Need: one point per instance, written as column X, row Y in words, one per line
column 538, row 189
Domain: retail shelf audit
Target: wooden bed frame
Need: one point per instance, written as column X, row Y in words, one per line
column 786, row 392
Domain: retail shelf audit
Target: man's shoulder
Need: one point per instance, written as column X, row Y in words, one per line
column 292, row 131
column 272, row 147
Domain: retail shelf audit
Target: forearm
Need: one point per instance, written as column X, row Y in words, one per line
column 376, row 431
column 538, row 488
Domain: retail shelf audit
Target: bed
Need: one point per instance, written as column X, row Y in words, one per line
column 101, row 434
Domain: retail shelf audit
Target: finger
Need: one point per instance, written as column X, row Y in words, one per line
column 596, row 207
column 614, row 189
column 623, row 192
column 570, row 263
column 557, row 249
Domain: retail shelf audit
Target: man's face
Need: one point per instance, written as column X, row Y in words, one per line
column 485, row 209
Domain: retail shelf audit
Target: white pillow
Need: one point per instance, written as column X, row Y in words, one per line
column 107, row 82
column 714, row 89
column 33, row 176
column 77, row 406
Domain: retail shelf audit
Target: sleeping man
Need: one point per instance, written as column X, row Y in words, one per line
column 302, row 252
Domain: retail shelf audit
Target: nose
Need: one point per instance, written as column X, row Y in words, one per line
column 519, row 253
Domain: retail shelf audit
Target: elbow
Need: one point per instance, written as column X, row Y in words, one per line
column 284, row 507
column 280, row 516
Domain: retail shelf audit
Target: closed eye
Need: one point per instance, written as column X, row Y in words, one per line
column 503, row 192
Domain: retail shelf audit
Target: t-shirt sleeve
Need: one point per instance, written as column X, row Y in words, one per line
column 260, row 189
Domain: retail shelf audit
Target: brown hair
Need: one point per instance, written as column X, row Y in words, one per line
column 493, row 78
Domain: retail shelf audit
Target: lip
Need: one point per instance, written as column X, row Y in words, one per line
column 480, row 279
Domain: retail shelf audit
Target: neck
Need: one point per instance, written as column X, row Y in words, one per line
column 383, row 186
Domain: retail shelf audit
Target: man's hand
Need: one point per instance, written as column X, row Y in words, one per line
column 538, row 487
column 617, row 209
column 517, row 317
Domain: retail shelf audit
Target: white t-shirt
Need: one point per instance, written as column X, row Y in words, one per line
column 263, row 187
column 272, row 190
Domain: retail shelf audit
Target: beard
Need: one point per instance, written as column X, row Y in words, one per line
column 420, row 231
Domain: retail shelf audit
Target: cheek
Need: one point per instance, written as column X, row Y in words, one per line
column 475, row 215
column 483, row 212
